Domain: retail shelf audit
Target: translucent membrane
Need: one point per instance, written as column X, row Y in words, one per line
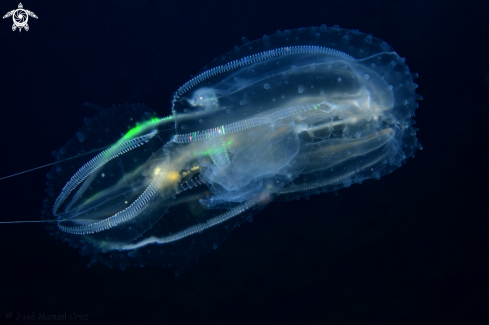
column 300, row 112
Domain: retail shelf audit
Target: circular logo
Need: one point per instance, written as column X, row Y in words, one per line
column 20, row 17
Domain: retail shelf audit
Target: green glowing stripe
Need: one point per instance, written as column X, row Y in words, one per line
column 141, row 127
column 200, row 154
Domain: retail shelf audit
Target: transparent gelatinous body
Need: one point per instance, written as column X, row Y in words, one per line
column 300, row 112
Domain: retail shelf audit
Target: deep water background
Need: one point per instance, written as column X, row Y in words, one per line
column 411, row 248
